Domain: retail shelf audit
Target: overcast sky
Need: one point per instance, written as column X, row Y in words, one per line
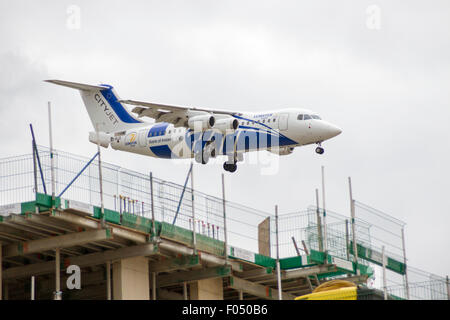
column 378, row 69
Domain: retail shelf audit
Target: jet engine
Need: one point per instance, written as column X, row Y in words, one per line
column 202, row 122
column 226, row 124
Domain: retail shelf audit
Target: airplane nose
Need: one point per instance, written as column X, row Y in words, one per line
column 333, row 131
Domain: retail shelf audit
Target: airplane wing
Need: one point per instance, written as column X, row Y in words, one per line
column 173, row 114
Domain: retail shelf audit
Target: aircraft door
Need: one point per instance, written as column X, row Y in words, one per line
column 283, row 121
column 142, row 138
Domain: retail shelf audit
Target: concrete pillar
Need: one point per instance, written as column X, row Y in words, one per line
column 131, row 279
column 208, row 289
column 264, row 237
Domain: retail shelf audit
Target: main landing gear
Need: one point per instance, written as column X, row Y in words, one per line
column 319, row 149
column 230, row 167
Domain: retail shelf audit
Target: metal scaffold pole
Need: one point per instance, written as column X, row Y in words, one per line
column 153, row 285
column 352, row 213
column 33, row 282
column 152, row 206
column 347, row 240
column 35, row 172
column 325, row 245
column 185, row 291
column 447, row 282
column 383, row 260
column 404, row 261
column 52, row 160
column 319, row 222
column 58, row 293
column 280, row 296
column 194, row 237
column 36, row 154
column 103, row 221
column 224, row 219
column 108, row 280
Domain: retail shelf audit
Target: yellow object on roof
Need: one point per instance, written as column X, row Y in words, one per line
column 333, row 290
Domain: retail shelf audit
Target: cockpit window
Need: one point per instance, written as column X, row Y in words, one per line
column 306, row 117
column 300, row 117
column 316, row 117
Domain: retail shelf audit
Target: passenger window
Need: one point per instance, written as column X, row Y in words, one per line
column 306, row 117
column 169, row 131
column 268, row 120
column 264, row 121
column 300, row 117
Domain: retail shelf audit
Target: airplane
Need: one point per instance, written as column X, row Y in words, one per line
column 188, row 132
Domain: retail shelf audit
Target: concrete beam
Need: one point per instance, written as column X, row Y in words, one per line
column 164, row 294
column 361, row 279
column 180, row 262
column 82, row 261
column 205, row 257
column 64, row 241
column 194, row 275
column 90, row 223
column 308, row 271
column 255, row 289
column 12, row 233
column 45, row 220
column 257, row 273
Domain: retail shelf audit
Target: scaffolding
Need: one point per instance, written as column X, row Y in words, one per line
column 128, row 201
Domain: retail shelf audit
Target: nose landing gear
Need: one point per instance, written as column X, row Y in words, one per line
column 319, row 149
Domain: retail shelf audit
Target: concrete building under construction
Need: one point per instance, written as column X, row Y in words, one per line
column 130, row 235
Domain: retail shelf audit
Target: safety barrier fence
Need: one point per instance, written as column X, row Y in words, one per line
column 129, row 191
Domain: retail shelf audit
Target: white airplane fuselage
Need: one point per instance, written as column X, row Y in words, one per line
column 278, row 131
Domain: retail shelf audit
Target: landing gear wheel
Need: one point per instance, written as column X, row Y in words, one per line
column 230, row 167
column 320, row 150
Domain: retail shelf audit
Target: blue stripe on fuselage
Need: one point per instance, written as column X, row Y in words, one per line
column 163, row 152
column 158, row 129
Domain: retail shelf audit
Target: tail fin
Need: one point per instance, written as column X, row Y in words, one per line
column 102, row 103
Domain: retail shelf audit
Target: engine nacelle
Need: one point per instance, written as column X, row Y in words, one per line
column 282, row 151
column 104, row 139
column 201, row 122
column 226, row 124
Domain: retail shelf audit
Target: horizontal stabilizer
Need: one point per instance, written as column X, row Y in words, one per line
column 76, row 85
